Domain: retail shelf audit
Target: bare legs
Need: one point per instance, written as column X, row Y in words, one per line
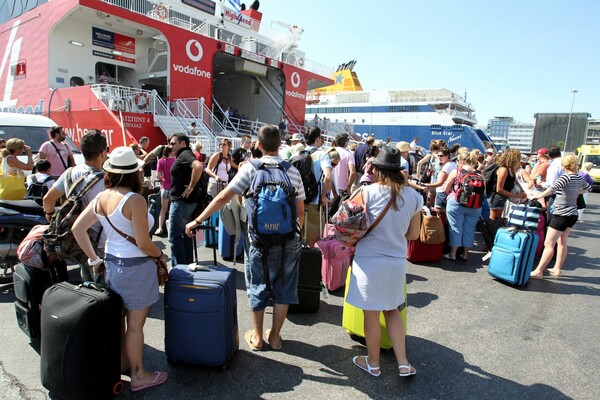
column 553, row 236
column 164, row 207
column 134, row 345
column 274, row 339
column 395, row 328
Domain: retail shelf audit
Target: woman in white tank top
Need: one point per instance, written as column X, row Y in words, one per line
column 218, row 168
column 130, row 269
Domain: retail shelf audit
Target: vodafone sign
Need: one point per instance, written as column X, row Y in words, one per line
column 194, row 51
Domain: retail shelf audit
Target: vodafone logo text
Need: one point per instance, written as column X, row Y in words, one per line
column 186, row 69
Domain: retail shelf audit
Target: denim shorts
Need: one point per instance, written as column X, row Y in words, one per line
column 134, row 279
column 440, row 200
column 165, row 193
column 283, row 278
column 497, row 201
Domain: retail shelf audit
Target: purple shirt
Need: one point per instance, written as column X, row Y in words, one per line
column 586, row 177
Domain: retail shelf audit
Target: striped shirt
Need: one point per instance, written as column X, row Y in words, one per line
column 567, row 188
column 243, row 179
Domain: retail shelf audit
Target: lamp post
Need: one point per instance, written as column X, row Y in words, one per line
column 569, row 122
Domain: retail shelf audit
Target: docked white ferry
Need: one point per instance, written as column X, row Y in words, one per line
column 399, row 114
column 134, row 68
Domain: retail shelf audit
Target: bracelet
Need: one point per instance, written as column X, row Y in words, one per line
column 93, row 263
column 160, row 256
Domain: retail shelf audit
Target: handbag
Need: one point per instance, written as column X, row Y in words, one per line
column 12, row 185
column 432, row 227
column 524, row 216
column 351, row 221
column 162, row 270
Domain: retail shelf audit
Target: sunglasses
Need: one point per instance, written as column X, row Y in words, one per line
column 334, row 164
column 173, row 143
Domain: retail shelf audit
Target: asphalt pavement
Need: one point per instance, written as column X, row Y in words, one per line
column 469, row 337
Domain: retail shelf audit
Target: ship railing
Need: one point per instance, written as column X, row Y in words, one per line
column 266, row 42
column 123, row 98
column 192, row 111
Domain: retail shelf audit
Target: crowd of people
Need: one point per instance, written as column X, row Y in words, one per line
column 116, row 209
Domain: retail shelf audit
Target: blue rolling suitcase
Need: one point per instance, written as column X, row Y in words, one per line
column 512, row 255
column 227, row 243
column 201, row 325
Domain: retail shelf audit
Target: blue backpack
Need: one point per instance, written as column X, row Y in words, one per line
column 271, row 203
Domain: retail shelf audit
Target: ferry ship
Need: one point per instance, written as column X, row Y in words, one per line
column 400, row 115
column 134, row 68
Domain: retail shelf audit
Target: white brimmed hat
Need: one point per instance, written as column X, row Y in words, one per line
column 122, row 160
column 297, row 136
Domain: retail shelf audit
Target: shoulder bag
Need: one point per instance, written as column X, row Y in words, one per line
column 432, row 227
column 351, row 221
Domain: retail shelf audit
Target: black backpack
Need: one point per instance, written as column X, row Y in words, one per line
column 58, row 238
column 303, row 163
column 37, row 190
column 490, row 177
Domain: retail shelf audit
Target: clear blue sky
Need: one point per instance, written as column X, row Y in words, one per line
column 514, row 58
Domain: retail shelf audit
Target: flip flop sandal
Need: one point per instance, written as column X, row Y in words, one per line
column 368, row 368
column 159, row 379
column 553, row 273
column 248, row 337
column 267, row 334
column 411, row 370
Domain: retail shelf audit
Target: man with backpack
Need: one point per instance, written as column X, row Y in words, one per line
column 275, row 203
column 319, row 173
column 57, row 152
column 88, row 177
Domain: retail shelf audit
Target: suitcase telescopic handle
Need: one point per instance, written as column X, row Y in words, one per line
column 91, row 285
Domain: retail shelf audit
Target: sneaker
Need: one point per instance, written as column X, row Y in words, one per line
column 158, row 232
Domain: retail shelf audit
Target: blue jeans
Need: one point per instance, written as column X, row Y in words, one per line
column 182, row 248
column 461, row 222
column 283, row 278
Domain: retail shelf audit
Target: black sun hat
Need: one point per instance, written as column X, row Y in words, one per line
column 388, row 159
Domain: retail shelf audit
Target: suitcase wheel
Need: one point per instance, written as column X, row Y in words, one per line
column 118, row 388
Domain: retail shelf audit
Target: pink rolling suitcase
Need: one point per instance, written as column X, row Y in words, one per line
column 336, row 257
column 336, row 260
column 541, row 232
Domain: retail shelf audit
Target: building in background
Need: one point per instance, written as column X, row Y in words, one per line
column 593, row 132
column 551, row 129
column 506, row 132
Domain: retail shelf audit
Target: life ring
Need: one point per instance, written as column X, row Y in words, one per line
column 162, row 12
column 141, row 100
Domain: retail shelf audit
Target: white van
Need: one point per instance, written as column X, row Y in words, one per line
column 34, row 130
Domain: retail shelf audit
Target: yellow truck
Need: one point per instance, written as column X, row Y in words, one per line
column 587, row 153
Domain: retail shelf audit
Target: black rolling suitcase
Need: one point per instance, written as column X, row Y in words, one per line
column 309, row 280
column 30, row 284
column 81, row 342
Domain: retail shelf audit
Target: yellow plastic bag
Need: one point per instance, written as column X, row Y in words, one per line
column 12, row 185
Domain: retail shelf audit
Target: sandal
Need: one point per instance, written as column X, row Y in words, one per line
column 368, row 368
column 248, row 337
column 447, row 257
column 411, row 370
column 553, row 273
column 267, row 335
column 536, row 276
column 159, row 379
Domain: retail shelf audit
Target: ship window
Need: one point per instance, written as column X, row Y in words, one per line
column 363, row 121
